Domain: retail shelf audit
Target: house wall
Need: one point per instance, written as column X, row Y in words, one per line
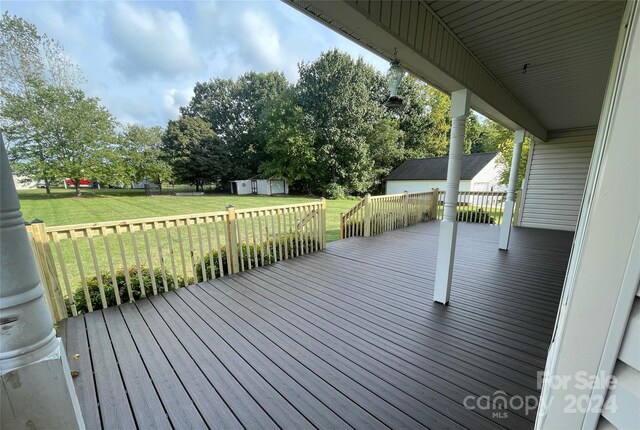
column 597, row 330
column 263, row 187
column 488, row 179
column 278, row 187
column 398, row 187
column 555, row 180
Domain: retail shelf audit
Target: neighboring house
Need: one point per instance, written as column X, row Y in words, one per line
column 258, row 185
column 480, row 172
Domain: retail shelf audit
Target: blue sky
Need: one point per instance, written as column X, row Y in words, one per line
column 142, row 58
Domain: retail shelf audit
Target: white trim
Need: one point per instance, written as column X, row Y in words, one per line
column 563, row 354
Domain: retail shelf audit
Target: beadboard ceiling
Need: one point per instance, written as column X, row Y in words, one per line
column 568, row 46
column 483, row 45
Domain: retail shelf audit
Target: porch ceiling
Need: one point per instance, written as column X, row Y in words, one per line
column 483, row 45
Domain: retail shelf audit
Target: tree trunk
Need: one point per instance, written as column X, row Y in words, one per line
column 160, row 187
column 76, row 185
column 47, row 187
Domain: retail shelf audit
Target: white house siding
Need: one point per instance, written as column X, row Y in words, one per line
column 397, row 187
column 555, row 180
column 621, row 409
column 488, row 178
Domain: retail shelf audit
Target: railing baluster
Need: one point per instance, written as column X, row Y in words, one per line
column 114, row 280
column 200, row 247
column 147, row 248
column 219, row 247
column 253, row 238
column 96, row 267
column 163, row 271
column 212, row 266
column 183, row 261
column 83, row 279
column 127, row 279
column 174, row 272
column 136, row 256
column 65, row 276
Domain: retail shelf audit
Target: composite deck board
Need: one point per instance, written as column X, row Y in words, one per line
column 74, row 335
column 378, row 338
column 420, row 384
column 115, row 409
column 210, row 404
column 348, row 337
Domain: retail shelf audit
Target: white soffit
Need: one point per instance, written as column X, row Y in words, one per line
column 483, row 45
column 568, row 46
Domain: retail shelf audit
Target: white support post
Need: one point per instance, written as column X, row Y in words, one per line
column 507, row 219
column 449, row 225
column 37, row 390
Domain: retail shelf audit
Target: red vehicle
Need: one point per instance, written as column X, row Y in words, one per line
column 84, row 183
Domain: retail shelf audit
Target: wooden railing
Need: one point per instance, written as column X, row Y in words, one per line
column 378, row 214
column 93, row 266
column 485, row 207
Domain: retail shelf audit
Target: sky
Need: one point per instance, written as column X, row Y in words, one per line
column 142, row 58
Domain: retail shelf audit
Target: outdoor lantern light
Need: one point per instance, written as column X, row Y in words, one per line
column 394, row 77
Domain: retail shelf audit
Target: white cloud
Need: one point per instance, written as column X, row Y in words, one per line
column 173, row 99
column 150, row 41
column 262, row 38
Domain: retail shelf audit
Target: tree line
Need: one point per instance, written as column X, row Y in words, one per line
column 328, row 133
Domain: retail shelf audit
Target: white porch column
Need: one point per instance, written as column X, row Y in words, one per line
column 507, row 219
column 449, row 225
column 37, row 391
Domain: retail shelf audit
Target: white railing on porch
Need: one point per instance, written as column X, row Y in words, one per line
column 122, row 261
column 378, row 214
column 486, row 207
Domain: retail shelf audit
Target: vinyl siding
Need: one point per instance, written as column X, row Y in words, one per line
column 621, row 408
column 556, row 177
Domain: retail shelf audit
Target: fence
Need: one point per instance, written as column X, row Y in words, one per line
column 92, row 266
column 485, row 207
column 378, row 214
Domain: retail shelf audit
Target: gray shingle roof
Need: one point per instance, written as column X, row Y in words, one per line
column 436, row 168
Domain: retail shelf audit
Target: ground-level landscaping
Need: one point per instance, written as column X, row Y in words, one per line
column 61, row 207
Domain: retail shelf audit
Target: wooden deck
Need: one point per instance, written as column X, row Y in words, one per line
column 345, row 338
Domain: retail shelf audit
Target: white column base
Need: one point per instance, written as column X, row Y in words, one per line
column 40, row 395
column 444, row 265
column 505, row 228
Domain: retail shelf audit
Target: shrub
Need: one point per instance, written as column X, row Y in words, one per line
column 334, row 191
column 479, row 216
column 110, row 293
column 285, row 245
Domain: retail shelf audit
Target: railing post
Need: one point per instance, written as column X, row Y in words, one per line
column 516, row 210
column 49, row 274
column 405, row 208
column 505, row 228
column 367, row 215
column 341, row 225
column 232, row 241
column 435, row 195
column 35, row 373
column 323, row 222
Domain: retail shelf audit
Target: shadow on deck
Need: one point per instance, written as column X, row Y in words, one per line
column 347, row 337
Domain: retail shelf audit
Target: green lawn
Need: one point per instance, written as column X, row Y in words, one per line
column 62, row 207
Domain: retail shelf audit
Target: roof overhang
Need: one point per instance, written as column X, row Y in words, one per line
column 566, row 92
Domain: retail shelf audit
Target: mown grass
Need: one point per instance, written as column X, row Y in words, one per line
column 62, row 207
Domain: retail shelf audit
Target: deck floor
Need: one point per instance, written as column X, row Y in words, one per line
column 344, row 338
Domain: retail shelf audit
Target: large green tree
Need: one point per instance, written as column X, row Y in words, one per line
column 141, row 154
column 27, row 56
column 197, row 155
column 59, row 132
column 233, row 108
column 335, row 94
